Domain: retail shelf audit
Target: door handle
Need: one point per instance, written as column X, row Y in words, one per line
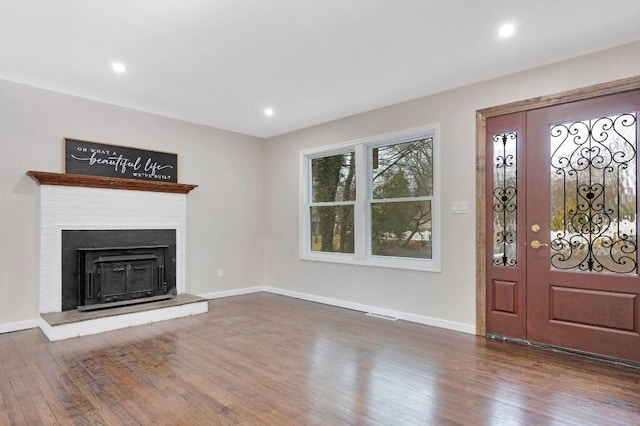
column 535, row 244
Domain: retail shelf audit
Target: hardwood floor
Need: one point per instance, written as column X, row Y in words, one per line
column 263, row 359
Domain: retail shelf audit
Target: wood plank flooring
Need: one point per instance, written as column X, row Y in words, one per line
column 263, row 359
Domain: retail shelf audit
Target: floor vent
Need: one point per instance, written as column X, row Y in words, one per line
column 387, row 317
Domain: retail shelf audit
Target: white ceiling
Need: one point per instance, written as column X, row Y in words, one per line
column 221, row 62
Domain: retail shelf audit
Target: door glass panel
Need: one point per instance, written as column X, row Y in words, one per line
column 593, row 194
column 504, row 199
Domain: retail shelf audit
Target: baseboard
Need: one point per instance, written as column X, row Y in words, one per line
column 18, row 325
column 419, row 319
column 235, row 292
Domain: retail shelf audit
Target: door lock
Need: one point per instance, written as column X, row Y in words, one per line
column 535, row 227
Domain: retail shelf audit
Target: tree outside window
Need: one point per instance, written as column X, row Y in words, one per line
column 333, row 195
column 402, row 189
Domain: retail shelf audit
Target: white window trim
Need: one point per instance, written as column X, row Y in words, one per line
column 362, row 214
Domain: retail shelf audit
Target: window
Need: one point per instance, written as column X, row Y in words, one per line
column 333, row 195
column 373, row 201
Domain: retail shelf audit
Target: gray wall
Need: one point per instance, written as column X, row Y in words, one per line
column 244, row 215
column 450, row 294
column 224, row 214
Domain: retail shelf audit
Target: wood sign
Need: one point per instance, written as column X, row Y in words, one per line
column 98, row 159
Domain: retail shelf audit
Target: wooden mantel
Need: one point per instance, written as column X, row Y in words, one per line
column 63, row 179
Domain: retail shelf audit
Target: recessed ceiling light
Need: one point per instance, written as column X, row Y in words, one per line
column 118, row 67
column 269, row 112
column 506, row 30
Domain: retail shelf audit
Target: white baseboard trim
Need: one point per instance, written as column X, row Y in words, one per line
column 235, row 292
column 63, row 334
column 419, row 319
column 99, row 325
column 8, row 327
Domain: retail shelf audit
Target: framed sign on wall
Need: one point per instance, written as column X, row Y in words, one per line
column 99, row 159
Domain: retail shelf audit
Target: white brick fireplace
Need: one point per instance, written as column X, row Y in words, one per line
column 91, row 208
column 65, row 207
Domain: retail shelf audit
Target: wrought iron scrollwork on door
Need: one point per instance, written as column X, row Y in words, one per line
column 504, row 199
column 593, row 194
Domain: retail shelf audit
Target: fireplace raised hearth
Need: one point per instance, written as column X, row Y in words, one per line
column 108, row 268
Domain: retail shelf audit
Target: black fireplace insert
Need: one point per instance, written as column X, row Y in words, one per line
column 103, row 268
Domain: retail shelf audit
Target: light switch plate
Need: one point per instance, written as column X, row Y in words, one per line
column 460, row 207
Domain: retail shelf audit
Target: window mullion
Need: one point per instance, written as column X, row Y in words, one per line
column 362, row 196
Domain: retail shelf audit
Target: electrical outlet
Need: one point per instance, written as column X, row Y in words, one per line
column 220, row 273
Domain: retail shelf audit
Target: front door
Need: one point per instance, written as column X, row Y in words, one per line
column 562, row 266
